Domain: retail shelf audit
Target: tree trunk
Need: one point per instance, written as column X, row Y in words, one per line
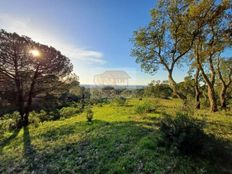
column 20, row 93
column 224, row 85
column 28, row 107
column 223, row 97
column 25, row 121
column 174, row 87
column 212, row 99
column 210, row 84
column 197, row 90
column 197, row 99
column 20, row 102
column 29, row 100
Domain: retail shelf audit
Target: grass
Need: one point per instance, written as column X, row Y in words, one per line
column 117, row 141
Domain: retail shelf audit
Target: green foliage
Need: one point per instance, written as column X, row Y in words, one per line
column 205, row 102
column 89, row 115
column 139, row 92
column 42, row 115
column 67, row 112
column 144, row 108
column 108, row 92
column 117, row 139
column 45, row 116
column 48, row 72
column 34, row 119
column 188, row 106
column 9, row 122
column 158, row 90
column 187, row 86
column 183, row 133
column 100, row 100
column 120, row 101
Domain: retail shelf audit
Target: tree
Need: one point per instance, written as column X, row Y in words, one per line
column 31, row 69
column 196, row 82
column 166, row 41
column 197, row 89
column 224, row 68
column 108, row 92
column 187, row 86
column 211, row 40
column 158, row 90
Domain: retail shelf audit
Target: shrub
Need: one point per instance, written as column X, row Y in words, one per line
column 10, row 122
column 99, row 100
column 34, row 119
column 146, row 107
column 158, row 91
column 89, row 115
column 183, row 133
column 41, row 115
column 120, row 101
column 205, row 102
column 99, row 105
column 68, row 111
column 53, row 115
column 188, row 106
column 140, row 109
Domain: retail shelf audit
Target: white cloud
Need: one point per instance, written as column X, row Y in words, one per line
column 81, row 54
column 25, row 26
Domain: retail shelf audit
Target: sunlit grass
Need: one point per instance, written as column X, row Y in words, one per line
column 117, row 141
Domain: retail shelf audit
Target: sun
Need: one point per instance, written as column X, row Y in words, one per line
column 35, row 53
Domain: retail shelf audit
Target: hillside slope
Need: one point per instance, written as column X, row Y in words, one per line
column 118, row 141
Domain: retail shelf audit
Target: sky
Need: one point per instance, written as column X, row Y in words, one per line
column 94, row 34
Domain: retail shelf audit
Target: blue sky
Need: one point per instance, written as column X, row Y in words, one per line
column 94, row 34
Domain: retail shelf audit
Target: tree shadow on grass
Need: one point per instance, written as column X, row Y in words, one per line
column 129, row 105
column 102, row 147
column 29, row 151
column 218, row 152
column 7, row 141
column 215, row 150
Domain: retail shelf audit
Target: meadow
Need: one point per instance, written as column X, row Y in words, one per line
column 118, row 140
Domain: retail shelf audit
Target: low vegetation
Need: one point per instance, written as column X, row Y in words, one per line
column 183, row 133
column 145, row 107
column 89, row 115
column 119, row 140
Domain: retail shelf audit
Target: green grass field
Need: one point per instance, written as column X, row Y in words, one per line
column 117, row 141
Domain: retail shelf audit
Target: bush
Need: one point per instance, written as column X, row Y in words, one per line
column 183, row 133
column 99, row 100
column 34, row 118
column 53, row 115
column 42, row 116
column 10, row 122
column 188, row 106
column 66, row 112
column 120, row 101
column 89, row 115
column 158, row 90
column 146, row 107
column 205, row 102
